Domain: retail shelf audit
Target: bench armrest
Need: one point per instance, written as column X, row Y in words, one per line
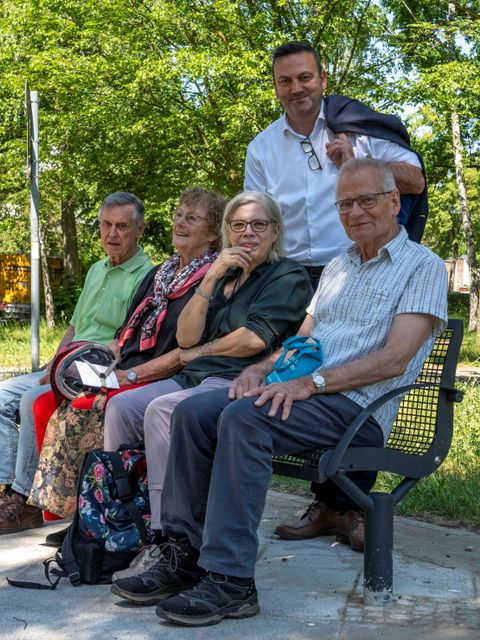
column 332, row 459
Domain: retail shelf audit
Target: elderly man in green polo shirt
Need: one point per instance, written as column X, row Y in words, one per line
column 108, row 290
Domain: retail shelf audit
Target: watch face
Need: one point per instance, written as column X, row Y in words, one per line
column 319, row 382
column 132, row 376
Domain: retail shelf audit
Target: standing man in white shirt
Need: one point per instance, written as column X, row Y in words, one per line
column 296, row 159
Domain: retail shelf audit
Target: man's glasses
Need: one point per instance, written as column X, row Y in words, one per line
column 189, row 218
column 313, row 161
column 256, row 225
column 367, row 201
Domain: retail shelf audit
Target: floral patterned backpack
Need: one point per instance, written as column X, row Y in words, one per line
column 111, row 523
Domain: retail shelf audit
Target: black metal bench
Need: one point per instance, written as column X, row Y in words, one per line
column 418, row 444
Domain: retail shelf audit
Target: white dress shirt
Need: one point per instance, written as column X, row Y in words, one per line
column 277, row 164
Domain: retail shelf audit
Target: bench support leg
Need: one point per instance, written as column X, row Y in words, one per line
column 378, row 564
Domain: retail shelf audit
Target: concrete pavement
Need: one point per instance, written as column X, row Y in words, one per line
column 310, row 589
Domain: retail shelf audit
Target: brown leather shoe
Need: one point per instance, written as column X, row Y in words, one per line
column 351, row 529
column 318, row 520
column 17, row 516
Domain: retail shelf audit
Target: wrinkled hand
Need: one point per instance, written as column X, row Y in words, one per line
column 187, row 355
column 121, row 374
column 340, row 150
column 115, row 347
column 230, row 258
column 246, row 382
column 283, row 394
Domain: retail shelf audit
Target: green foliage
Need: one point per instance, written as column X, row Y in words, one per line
column 65, row 298
column 152, row 96
column 438, row 52
column 458, row 306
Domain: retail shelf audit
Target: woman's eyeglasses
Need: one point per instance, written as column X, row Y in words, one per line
column 259, row 226
column 189, row 218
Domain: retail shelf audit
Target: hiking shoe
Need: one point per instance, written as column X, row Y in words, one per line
column 16, row 515
column 175, row 570
column 318, row 520
column 145, row 559
column 215, row 597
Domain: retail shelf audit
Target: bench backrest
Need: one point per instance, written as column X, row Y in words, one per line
column 422, row 410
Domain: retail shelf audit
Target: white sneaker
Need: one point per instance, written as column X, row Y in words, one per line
column 146, row 557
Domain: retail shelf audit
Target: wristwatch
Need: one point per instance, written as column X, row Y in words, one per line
column 320, row 382
column 132, row 376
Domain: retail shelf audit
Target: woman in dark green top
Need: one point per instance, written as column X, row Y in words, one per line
column 250, row 300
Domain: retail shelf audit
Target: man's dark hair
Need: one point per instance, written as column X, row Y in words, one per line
column 292, row 47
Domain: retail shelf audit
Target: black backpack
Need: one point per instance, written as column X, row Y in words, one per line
column 111, row 522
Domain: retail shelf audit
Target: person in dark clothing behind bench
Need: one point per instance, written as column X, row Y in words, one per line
column 297, row 158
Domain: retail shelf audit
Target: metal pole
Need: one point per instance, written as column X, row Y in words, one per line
column 378, row 561
column 32, row 101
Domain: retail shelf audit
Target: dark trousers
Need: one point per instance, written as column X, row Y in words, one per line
column 219, row 468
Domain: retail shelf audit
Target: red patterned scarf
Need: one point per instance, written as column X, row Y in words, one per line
column 167, row 286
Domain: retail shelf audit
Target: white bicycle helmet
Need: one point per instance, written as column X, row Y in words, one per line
column 64, row 376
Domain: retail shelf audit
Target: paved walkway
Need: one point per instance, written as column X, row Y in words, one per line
column 310, row 589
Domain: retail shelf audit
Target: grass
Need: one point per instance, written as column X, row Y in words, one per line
column 15, row 343
column 470, row 351
column 450, row 495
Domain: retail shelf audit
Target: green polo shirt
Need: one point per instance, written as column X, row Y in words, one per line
column 106, row 296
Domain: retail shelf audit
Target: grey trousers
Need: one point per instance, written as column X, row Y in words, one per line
column 220, row 465
column 144, row 414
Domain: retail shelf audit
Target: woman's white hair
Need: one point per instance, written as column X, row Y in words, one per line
column 271, row 208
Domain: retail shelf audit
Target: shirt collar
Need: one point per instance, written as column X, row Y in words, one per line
column 257, row 272
column 131, row 265
column 320, row 122
column 392, row 249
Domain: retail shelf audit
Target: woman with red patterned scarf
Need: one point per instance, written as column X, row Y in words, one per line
column 145, row 346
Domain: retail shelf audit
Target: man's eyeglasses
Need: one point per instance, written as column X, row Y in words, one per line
column 258, row 226
column 313, row 161
column 367, row 201
column 189, row 218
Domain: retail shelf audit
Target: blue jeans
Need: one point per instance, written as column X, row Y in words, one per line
column 19, row 458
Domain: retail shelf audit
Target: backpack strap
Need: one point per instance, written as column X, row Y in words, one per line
column 65, row 561
column 125, row 493
column 21, row 584
column 66, row 558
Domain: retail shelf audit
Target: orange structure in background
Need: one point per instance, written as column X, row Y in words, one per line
column 15, row 283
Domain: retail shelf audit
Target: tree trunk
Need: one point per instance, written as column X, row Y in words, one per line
column 474, row 320
column 47, row 289
column 71, row 263
column 453, row 270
